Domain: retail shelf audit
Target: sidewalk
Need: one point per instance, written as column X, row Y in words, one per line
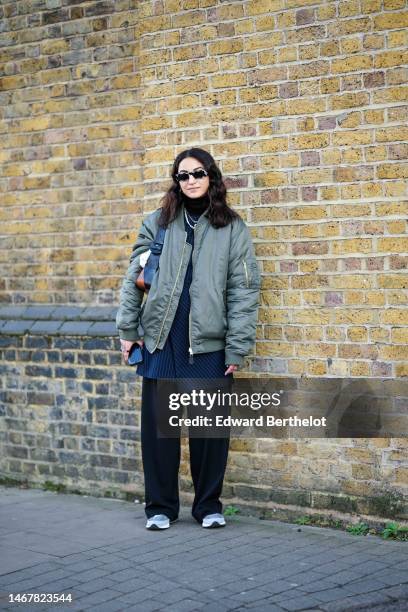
column 99, row 551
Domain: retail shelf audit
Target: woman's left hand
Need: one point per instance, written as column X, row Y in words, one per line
column 231, row 369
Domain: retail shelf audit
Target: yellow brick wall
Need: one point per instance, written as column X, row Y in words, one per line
column 300, row 101
column 302, row 104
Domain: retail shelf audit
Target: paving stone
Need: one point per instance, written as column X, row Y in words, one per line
column 64, row 585
column 93, row 574
column 186, row 569
column 358, row 602
column 391, row 577
column 317, row 586
column 127, row 575
column 299, row 603
column 28, row 572
column 129, row 586
column 100, row 596
column 187, row 605
column 343, row 576
column 335, row 594
column 109, row 606
column 399, row 591
column 392, row 606
column 170, row 597
column 263, row 607
column 250, row 596
column 221, row 605
column 94, row 586
column 147, row 606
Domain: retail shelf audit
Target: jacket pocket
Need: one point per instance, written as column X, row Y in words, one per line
column 251, row 273
column 246, row 273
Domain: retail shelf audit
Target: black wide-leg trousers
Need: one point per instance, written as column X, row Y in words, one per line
column 161, row 462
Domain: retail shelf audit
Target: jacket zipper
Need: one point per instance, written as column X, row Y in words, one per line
column 171, row 296
column 190, row 350
column 246, row 273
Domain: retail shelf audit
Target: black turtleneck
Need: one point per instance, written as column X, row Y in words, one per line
column 196, row 206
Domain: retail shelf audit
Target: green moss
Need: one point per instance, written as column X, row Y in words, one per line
column 52, row 486
column 388, row 505
column 320, row 520
column 343, row 504
column 11, row 482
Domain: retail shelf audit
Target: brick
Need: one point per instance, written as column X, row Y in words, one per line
column 392, row 171
column 349, row 100
column 310, row 141
column 288, row 90
column 269, row 179
column 352, row 63
column 399, row 244
column 303, row 71
column 357, row 245
column 393, row 352
column 96, row 373
column 310, row 248
column 40, row 398
column 392, row 317
column 389, row 21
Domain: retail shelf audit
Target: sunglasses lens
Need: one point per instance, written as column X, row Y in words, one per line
column 197, row 174
column 183, row 176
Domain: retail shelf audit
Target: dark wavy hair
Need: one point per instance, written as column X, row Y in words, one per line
column 218, row 213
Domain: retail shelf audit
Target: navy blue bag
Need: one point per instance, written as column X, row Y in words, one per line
column 145, row 278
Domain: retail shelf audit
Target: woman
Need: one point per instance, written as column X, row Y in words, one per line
column 198, row 321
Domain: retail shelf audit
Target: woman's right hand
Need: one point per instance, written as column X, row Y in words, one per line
column 126, row 345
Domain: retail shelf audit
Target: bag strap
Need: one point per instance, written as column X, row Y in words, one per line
column 152, row 263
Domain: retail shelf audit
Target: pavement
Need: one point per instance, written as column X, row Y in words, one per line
column 99, row 551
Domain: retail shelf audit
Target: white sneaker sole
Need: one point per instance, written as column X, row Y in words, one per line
column 155, row 527
column 214, row 525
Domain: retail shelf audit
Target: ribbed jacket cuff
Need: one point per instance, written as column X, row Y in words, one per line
column 232, row 358
column 129, row 334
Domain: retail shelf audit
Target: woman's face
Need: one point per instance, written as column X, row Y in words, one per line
column 193, row 188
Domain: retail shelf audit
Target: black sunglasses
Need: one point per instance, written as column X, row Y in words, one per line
column 184, row 175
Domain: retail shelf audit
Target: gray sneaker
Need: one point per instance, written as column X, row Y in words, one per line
column 213, row 520
column 158, row 521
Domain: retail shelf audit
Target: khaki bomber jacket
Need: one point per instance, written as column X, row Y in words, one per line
column 224, row 290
